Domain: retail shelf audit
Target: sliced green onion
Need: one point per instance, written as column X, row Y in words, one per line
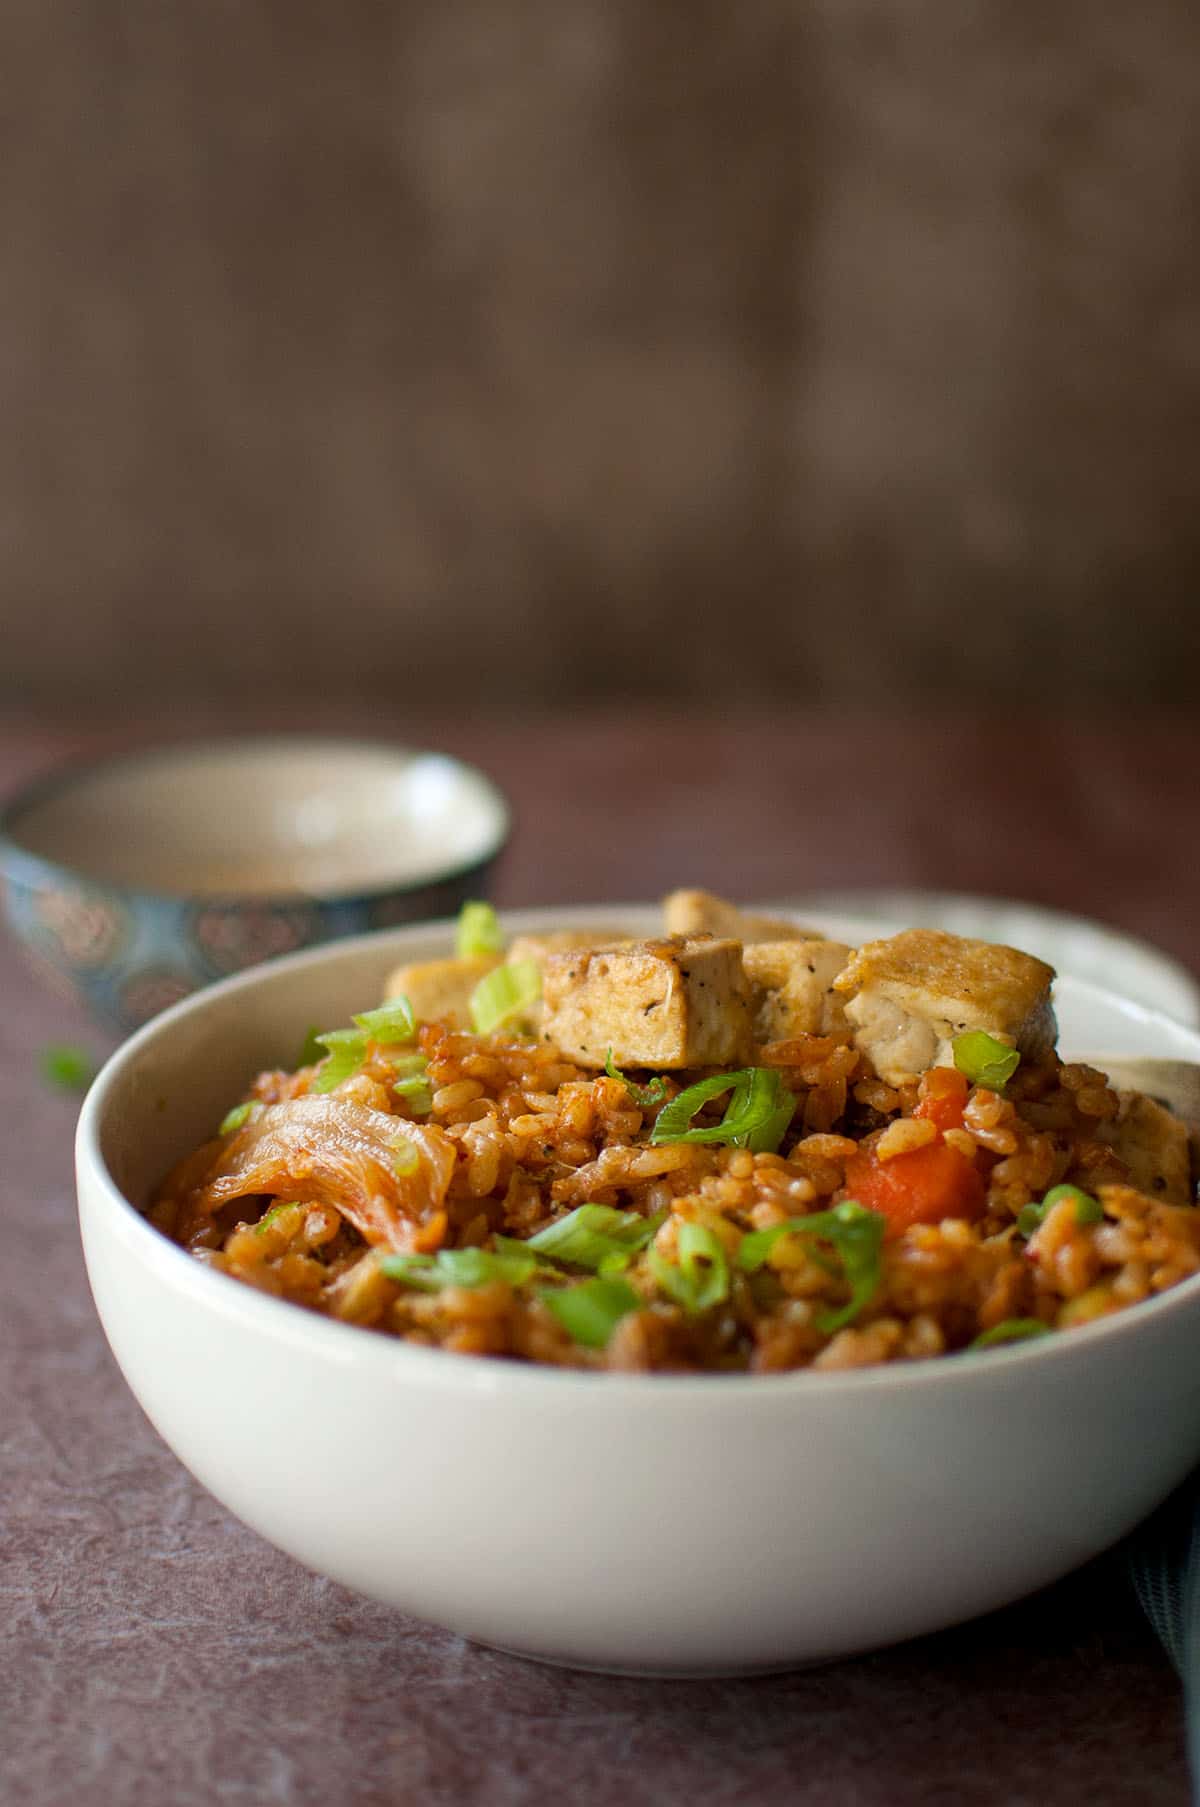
column 591, row 1311
column 505, row 994
column 71, row 1069
column 345, row 1052
column 405, row 1157
column 478, row 931
column 1010, row 1330
column 597, row 1236
column 393, row 1022
column 237, row 1117
column 1087, row 1209
column 412, row 1081
column 460, row 1267
column 756, row 1117
column 644, row 1096
column 700, row 1279
column 984, row 1060
column 268, row 1217
column 417, row 1091
column 312, row 1050
column 855, row 1234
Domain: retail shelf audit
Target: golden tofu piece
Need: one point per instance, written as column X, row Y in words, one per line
column 440, row 990
column 909, row 996
column 791, row 988
column 679, row 1002
column 701, row 913
column 1155, row 1146
column 563, row 941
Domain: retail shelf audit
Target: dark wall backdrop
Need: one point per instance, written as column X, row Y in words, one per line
column 498, row 348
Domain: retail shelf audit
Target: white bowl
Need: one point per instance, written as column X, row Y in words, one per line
column 654, row 1524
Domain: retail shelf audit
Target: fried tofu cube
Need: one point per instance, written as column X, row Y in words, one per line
column 701, row 913
column 791, row 988
column 909, row 996
column 563, row 941
column 440, row 990
column 1155, row 1146
column 679, row 1002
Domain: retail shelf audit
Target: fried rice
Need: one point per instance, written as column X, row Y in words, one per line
column 359, row 1199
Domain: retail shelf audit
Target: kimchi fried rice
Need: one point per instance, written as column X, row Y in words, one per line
column 739, row 1147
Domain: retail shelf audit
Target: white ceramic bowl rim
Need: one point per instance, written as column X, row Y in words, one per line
column 37, row 867
column 352, row 1345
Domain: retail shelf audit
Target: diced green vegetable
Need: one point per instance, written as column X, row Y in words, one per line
column 312, row 1051
column 405, row 1156
column 345, row 1052
column 985, row 1061
column 71, row 1069
column 1088, row 1210
column 856, row 1236
column 460, row 1267
column 505, row 995
column 478, row 931
column 417, row 1091
column 346, row 1049
column 412, row 1081
column 597, row 1237
column 590, row 1311
column 237, row 1117
column 756, row 1117
column 700, row 1279
column 269, row 1217
column 1010, row 1330
column 644, row 1096
column 393, row 1022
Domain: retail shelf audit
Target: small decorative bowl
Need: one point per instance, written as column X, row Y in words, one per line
column 135, row 880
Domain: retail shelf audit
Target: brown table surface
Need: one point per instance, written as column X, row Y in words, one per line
column 156, row 1651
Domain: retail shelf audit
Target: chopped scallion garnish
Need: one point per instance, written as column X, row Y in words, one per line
column 478, row 931
column 505, row 995
column 412, row 1081
column 984, row 1060
column 856, row 1236
column 644, row 1096
column 460, row 1267
column 393, row 1022
column 237, row 1117
column 312, row 1051
column 1010, row 1330
column 417, row 1091
column 71, row 1069
column 757, row 1116
column 345, row 1052
column 269, row 1217
column 405, row 1158
column 700, row 1278
column 597, row 1237
column 591, row 1311
column 1088, row 1210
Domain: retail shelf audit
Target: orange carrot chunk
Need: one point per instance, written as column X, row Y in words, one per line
column 943, row 1098
column 923, row 1186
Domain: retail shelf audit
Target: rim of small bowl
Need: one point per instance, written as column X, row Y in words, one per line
column 16, row 856
column 393, row 1359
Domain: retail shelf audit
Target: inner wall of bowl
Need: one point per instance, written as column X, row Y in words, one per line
column 270, row 817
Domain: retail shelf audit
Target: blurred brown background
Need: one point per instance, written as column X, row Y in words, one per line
column 787, row 348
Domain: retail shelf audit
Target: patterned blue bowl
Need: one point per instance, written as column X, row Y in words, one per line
column 132, row 881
